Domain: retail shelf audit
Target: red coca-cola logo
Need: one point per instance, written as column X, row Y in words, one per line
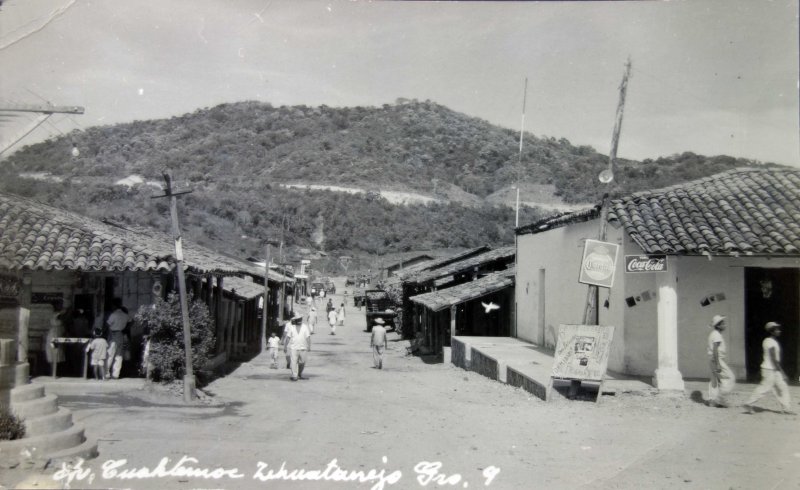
column 646, row 263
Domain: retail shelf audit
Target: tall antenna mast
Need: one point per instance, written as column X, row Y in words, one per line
column 519, row 160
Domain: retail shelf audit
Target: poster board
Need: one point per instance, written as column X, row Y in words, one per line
column 582, row 352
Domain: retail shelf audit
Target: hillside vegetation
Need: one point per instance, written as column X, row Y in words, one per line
column 233, row 157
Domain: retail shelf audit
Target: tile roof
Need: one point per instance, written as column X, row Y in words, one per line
column 559, row 220
column 35, row 236
column 502, row 253
column 440, row 262
column 445, row 298
column 742, row 211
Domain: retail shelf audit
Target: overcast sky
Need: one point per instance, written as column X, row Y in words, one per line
column 713, row 77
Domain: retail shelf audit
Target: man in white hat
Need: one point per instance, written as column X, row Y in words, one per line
column 378, row 342
column 299, row 341
column 722, row 378
column 773, row 378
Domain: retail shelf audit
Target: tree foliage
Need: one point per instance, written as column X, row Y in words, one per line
column 163, row 325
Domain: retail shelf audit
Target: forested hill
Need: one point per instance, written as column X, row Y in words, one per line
column 233, row 155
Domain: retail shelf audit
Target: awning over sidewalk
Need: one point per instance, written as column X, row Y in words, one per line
column 242, row 287
column 445, row 298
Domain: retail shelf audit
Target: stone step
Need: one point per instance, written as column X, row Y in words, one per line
column 86, row 450
column 26, row 392
column 37, row 407
column 38, row 447
column 50, row 423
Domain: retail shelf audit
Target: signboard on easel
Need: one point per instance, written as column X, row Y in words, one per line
column 582, row 353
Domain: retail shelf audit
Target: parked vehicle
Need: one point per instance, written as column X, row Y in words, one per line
column 317, row 289
column 379, row 305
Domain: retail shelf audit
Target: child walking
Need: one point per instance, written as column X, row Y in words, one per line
column 99, row 349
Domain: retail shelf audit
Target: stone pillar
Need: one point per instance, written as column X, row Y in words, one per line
column 667, row 376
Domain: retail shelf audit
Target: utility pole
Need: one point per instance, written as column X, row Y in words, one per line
column 519, row 160
column 590, row 315
column 264, row 312
column 188, row 378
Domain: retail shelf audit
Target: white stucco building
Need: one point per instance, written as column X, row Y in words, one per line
column 732, row 247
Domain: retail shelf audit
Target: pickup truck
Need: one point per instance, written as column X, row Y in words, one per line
column 379, row 305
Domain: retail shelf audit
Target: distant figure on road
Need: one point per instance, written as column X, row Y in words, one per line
column 274, row 344
column 329, row 306
column 332, row 321
column 378, row 342
column 299, row 345
column 722, row 378
column 340, row 315
column 773, row 378
column 99, row 349
column 312, row 319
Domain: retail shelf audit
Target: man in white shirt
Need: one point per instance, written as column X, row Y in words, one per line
column 773, row 378
column 117, row 322
column 722, row 378
column 299, row 339
column 378, row 342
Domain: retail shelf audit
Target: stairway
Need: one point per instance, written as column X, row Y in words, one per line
column 50, row 434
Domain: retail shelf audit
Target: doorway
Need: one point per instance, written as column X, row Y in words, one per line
column 771, row 295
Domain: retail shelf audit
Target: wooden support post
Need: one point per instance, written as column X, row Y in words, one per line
column 219, row 316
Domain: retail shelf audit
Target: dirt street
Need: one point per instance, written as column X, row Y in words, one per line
column 418, row 424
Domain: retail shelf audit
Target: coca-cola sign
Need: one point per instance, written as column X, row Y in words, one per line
column 645, row 263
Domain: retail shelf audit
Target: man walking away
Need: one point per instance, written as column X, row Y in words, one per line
column 332, row 321
column 722, row 378
column 274, row 343
column 378, row 342
column 772, row 376
column 116, row 325
column 299, row 346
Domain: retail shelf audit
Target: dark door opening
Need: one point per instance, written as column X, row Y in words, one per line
column 771, row 295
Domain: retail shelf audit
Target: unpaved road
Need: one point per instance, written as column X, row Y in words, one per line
column 413, row 419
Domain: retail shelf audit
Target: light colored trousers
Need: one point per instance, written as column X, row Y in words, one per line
column 114, row 359
column 771, row 380
column 377, row 356
column 718, row 392
column 298, row 361
column 273, row 355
